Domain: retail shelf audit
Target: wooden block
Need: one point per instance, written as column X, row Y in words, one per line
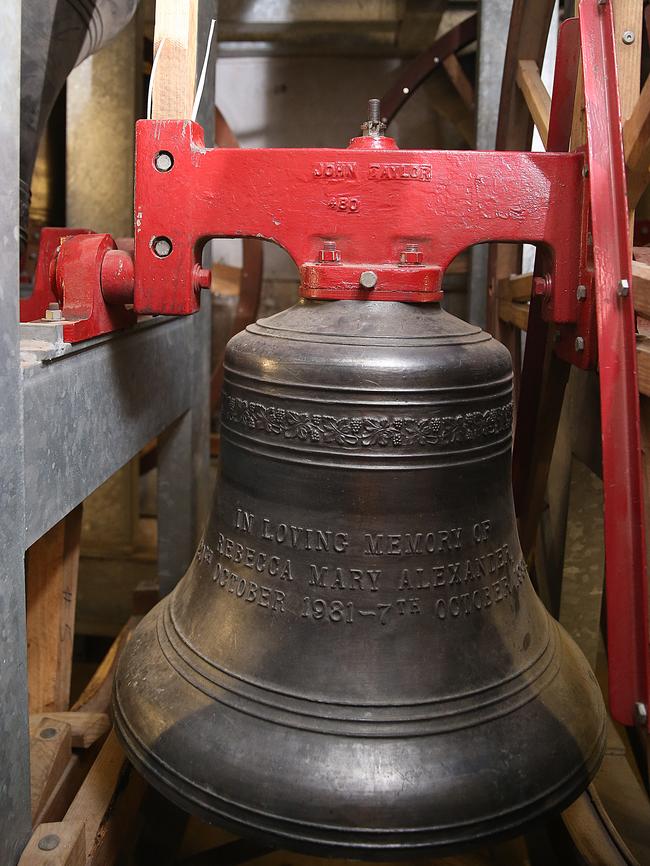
column 50, row 749
column 536, row 95
column 641, row 288
column 175, row 76
column 85, row 728
column 59, row 844
column 52, row 568
column 226, row 280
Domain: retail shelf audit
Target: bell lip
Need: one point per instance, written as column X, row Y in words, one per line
column 393, row 845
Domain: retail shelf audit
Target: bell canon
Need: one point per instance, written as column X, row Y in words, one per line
column 356, row 663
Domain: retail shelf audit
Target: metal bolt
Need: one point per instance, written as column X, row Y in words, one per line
column 581, row 293
column 411, row 255
column 368, row 280
column 374, row 126
column 48, row 733
column 162, row 247
column 163, row 160
column 623, row 289
column 201, row 278
column 640, row 713
column 628, row 37
column 580, row 344
column 585, row 170
column 49, row 842
column 53, row 313
column 329, row 253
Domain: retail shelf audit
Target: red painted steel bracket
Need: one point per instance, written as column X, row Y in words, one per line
column 625, row 543
column 401, row 216
column 87, row 277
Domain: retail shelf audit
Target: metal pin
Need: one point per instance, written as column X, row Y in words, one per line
column 368, row 279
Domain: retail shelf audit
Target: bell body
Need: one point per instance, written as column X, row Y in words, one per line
column 356, row 663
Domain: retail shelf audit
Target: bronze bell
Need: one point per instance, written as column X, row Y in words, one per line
column 356, row 663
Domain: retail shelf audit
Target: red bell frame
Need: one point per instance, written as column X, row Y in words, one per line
column 399, row 217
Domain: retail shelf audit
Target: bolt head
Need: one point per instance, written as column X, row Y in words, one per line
column 581, row 293
column 580, row 344
column 623, row 288
column 163, row 161
column 368, row 280
column 640, row 713
column 48, row 733
column 49, row 842
column 628, row 37
column 162, row 247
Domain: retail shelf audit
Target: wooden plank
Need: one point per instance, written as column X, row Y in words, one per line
column 50, row 749
column 52, row 569
column 58, row 844
column 636, row 138
column 514, row 313
column 643, row 371
column 95, row 795
column 174, row 81
column 536, row 96
column 516, row 287
column 461, row 82
column 85, row 728
column 641, row 287
column 96, row 697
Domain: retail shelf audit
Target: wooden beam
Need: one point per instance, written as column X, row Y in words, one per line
column 641, row 288
column 174, row 83
column 636, row 138
column 461, row 82
column 536, row 96
column 51, row 587
column 514, row 313
column 516, row 287
column 95, row 795
column 50, row 749
column 96, row 697
column 59, row 844
column 85, row 728
column 643, row 371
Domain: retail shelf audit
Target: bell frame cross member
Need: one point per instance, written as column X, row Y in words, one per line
column 373, row 222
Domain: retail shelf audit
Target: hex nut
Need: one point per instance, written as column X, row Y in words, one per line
column 581, row 293
column 580, row 344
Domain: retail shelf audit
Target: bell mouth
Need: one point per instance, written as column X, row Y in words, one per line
column 359, row 794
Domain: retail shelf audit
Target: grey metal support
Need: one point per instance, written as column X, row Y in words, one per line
column 15, row 810
column 494, row 21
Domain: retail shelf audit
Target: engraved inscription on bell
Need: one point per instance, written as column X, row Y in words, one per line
column 356, row 662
